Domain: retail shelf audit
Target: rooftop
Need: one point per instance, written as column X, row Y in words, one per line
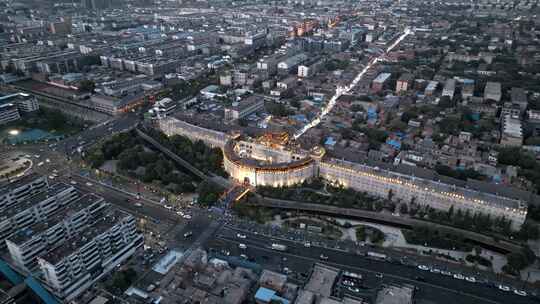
column 393, row 294
column 80, row 204
column 53, row 190
column 322, row 280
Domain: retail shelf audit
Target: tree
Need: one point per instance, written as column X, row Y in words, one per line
column 87, row 86
column 403, row 209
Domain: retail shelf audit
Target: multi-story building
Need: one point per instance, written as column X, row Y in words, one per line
column 38, row 208
column 27, row 244
column 492, row 91
column 272, row 165
column 243, row 108
column 85, row 258
column 21, row 189
column 404, row 83
column 384, row 183
column 24, row 102
column 8, row 113
column 431, row 88
column 467, row 89
column 512, row 131
column 379, row 82
column 290, row 64
column 449, row 88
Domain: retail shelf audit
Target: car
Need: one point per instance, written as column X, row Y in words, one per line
column 47, row 160
column 188, row 234
column 243, row 256
column 168, row 207
column 89, row 184
column 379, row 275
column 241, row 236
column 459, row 276
column 503, row 287
column 347, row 283
column 40, row 164
column 435, row 270
column 51, row 176
column 138, row 205
column 353, row 289
column 420, row 279
column 37, row 156
column 180, row 213
column 307, row 244
column 73, row 182
column 520, row 292
column 242, row 246
column 187, row 216
column 286, row 270
column 423, row 267
column 446, row 273
column 323, row 257
column 470, row 279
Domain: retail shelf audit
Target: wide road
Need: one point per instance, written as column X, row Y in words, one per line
column 299, row 259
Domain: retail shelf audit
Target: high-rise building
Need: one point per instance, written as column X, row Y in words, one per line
column 27, row 244
column 83, row 259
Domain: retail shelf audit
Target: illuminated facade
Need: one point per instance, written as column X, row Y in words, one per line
column 259, row 165
column 267, row 161
column 408, row 188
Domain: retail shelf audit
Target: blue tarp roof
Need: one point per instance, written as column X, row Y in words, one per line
column 41, row 292
column 265, row 294
column 13, row 277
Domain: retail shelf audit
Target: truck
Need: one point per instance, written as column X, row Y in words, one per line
column 279, row 247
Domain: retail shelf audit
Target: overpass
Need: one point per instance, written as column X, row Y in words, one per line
column 182, row 162
column 486, row 241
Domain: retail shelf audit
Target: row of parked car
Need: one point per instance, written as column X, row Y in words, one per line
column 471, row 279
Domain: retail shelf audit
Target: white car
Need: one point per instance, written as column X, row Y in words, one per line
column 323, row 257
column 89, row 184
column 51, row 177
column 168, row 207
column 73, row 182
column 520, row 292
column 353, row 289
column 241, row 236
column 504, row 287
column 459, row 276
column 187, row 216
column 470, row 279
column 446, row 273
column 242, row 246
column 47, row 160
column 307, row 244
column 435, row 270
column 139, row 205
column 180, row 213
column 423, row 267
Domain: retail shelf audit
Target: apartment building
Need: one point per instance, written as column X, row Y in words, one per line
column 511, row 132
column 85, row 258
column 8, row 113
column 17, row 191
column 404, row 83
column 24, row 102
column 449, row 88
column 37, row 208
column 27, row 244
